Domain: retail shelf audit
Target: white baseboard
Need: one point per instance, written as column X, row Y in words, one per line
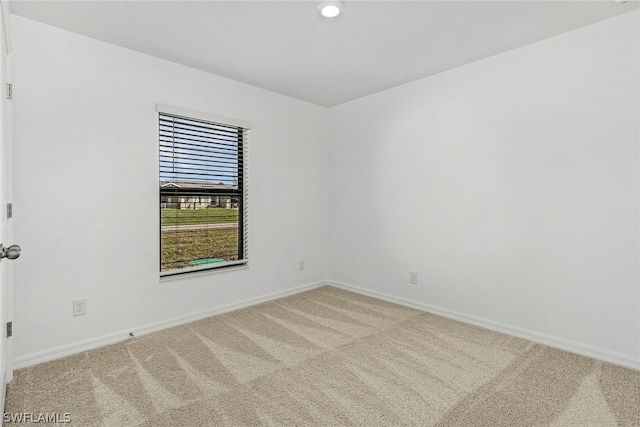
column 548, row 340
column 77, row 347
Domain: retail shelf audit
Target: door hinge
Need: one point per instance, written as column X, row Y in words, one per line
column 9, row 329
column 9, row 210
column 9, row 91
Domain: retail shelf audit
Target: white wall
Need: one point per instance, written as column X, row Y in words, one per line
column 86, row 179
column 510, row 185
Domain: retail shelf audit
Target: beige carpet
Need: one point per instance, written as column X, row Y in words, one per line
column 329, row 357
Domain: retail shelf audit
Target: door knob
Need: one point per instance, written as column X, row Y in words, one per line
column 12, row 252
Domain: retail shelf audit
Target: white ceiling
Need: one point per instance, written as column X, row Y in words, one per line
column 285, row 47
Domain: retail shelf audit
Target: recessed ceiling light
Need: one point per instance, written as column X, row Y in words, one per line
column 330, row 8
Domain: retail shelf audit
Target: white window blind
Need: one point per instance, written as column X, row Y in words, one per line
column 203, row 192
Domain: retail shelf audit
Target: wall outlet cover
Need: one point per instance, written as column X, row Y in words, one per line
column 79, row 307
column 413, row 277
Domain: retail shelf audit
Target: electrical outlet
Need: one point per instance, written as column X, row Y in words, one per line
column 301, row 264
column 413, row 277
column 79, row 307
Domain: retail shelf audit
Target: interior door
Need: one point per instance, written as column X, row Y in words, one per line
column 6, row 190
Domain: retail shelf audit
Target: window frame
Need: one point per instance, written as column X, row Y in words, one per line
column 243, row 226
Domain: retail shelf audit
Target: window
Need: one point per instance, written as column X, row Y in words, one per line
column 203, row 191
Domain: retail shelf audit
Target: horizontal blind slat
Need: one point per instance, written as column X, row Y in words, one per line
column 185, row 156
column 211, row 145
column 195, row 123
column 181, row 137
column 199, row 132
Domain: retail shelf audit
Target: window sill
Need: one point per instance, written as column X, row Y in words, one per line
column 206, row 272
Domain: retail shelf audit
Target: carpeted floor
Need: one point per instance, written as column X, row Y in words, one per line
column 329, row 357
